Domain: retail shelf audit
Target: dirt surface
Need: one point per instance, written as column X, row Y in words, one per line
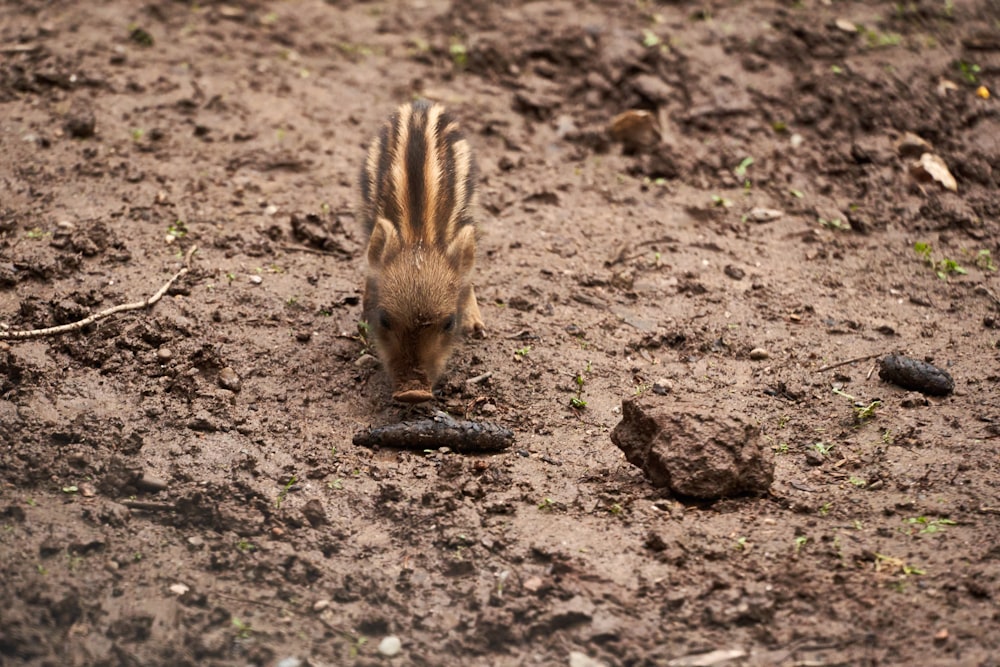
column 178, row 484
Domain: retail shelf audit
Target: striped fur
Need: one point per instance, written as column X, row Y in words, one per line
column 417, row 192
column 420, row 176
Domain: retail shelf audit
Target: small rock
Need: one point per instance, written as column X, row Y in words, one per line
column 196, row 541
column 303, row 336
column 693, row 450
column 80, row 123
column 635, row 129
column 577, row 659
column 151, row 483
column 390, row 646
column 764, row 214
column 320, row 605
column 487, row 409
column 179, row 589
column 228, row 379
column 710, row 659
column 759, row 354
column 290, row 661
column 734, row 272
column 164, row 354
column 314, row 513
column 256, row 280
column 366, row 361
column 532, row 584
column 662, row 386
column 844, row 25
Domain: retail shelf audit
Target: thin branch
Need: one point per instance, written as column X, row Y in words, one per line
column 76, row 326
column 148, row 506
column 849, row 361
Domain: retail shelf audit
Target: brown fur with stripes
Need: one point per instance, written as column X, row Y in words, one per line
column 418, row 191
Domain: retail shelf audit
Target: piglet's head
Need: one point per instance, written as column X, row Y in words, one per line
column 412, row 305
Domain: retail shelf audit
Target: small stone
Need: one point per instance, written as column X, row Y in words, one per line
column 734, row 272
column 764, row 214
column 662, row 386
column 228, row 379
column 694, row 451
column 635, row 128
column 256, row 280
column 844, row 25
column 487, row 409
column 759, row 354
column 164, row 354
column 314, row 513
column 290, row 661
column 80, row 123
column 532, row 584
column 366, row 361
column 941, row 635
column 320, row 605
column 179, row 589
column 577, row 659
column 303, row 336
column 390, row 646
column 196, row 541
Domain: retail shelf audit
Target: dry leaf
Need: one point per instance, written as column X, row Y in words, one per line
column 932, row 168
column 911, row 146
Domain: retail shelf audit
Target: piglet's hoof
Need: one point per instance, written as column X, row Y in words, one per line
column 413, row 396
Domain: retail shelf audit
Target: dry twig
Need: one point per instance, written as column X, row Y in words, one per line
column 76, row 326
column 849, row 361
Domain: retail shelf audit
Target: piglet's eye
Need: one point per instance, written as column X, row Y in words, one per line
column 449, row 324
column 383, row 320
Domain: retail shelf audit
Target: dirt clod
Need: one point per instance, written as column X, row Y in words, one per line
column 694, row 451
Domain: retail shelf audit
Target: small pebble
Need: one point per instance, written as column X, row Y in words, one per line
column 320, row 605
column 758, row 354
column 577, row 659
column 196, row 541
column 179, row 589
column 303, row 336
column 290, row 661
column 256, row 280
column 164, row 354
column 390, row 646
column 487, row 409
column 366, row 361
column 228, row 379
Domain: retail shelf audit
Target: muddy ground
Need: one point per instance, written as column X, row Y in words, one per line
column 178, row 485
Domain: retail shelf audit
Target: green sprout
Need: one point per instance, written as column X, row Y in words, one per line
column 968, row 71
column 741, row 168
column 523, row 352
column 178, row 230
column 942, row 267
column 985, row 261
column 459, row 53
column 284, row 491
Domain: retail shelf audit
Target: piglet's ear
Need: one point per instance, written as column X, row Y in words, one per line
column 461, row 251
column 383, row 244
